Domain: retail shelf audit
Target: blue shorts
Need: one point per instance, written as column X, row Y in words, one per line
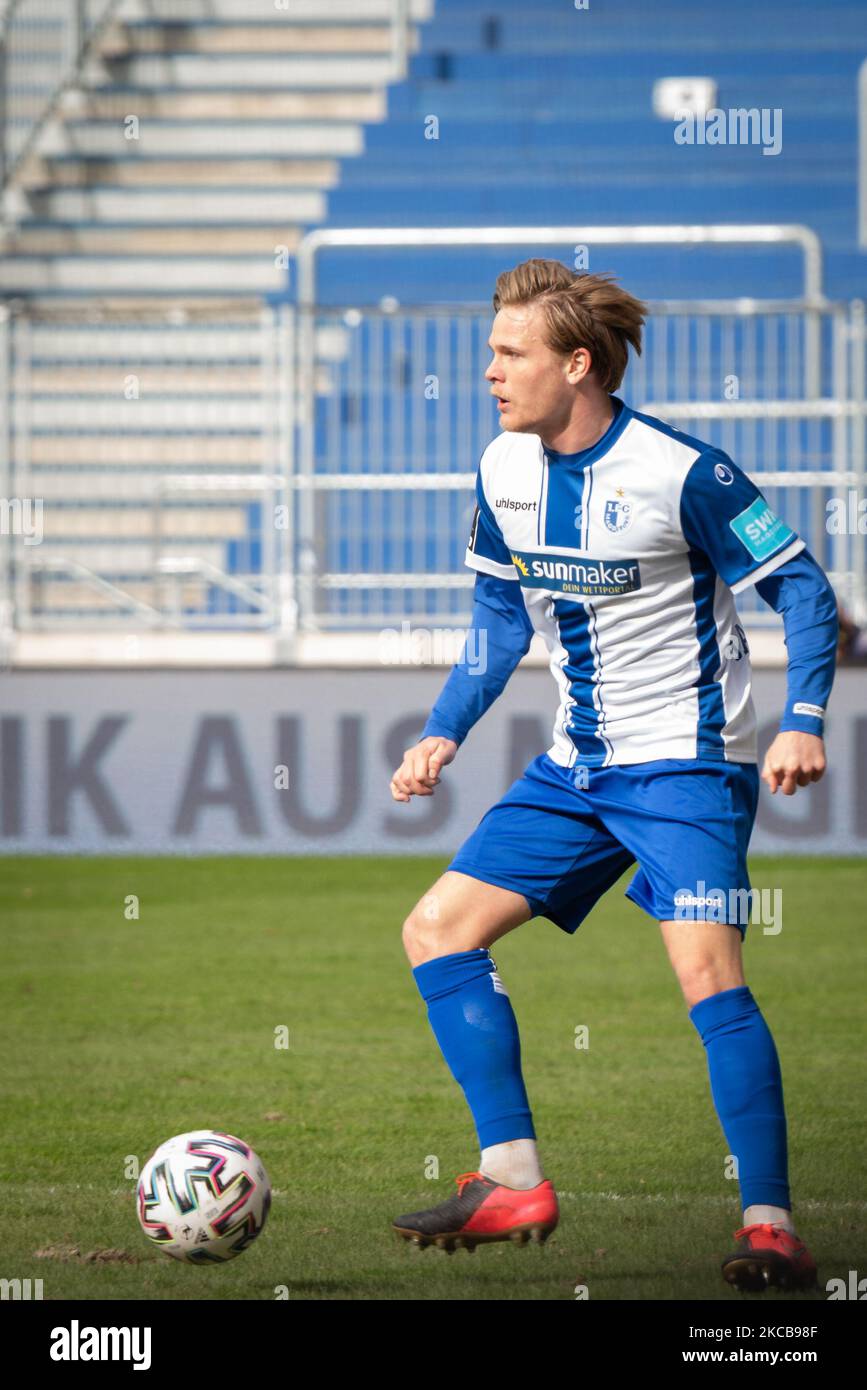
column 562, row 844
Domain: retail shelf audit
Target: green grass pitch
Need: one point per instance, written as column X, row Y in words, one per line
column 118, row 1033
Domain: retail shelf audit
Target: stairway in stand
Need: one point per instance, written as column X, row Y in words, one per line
column 201, row 142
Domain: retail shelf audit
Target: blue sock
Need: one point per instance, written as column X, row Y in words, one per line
column 747, row 1090
column 476, row 1029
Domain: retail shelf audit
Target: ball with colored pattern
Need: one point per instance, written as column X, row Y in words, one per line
column 203, row 1197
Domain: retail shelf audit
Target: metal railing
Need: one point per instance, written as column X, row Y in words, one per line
column 164, row 444
column 793, row 420
column 42, row 46
column 166, row 455
column 811, row 302
column 248, row 598
column 401, row 415
column 862, row 155
column 369, row 429
column 155, row 445
column 399, row 34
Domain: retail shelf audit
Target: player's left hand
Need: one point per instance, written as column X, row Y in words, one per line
column 793, row 760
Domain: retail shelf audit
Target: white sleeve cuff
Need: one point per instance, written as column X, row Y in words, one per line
column 769, row 566
column 481, row 562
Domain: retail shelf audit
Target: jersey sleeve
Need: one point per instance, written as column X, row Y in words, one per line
column 723, row 514
column 486, row 549
column 802, row 593
column 499, row 635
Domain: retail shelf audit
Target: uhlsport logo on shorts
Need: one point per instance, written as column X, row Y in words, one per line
column 571, row 576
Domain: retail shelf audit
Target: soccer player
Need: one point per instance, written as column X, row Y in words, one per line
column 621, row 541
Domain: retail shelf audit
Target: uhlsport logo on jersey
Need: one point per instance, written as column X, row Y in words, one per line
column 582, row 577
column 514, row 504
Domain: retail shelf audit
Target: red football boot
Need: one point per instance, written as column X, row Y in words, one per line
column 481, row 1212
column 769, row 1257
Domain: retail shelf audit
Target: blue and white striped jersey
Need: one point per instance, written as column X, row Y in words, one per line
column 628, row 555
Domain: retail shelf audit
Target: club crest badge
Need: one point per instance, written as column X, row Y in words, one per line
column 618, row 515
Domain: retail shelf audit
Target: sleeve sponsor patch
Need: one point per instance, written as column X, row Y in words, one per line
column 801, row 707
column 760, row 531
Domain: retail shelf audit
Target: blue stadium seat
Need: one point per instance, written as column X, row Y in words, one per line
column 545, row 115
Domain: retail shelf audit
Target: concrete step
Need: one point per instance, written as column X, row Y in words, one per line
column 208, row 139
column 108, row 240
column 132, row 557
column 143, row 414
column 136, row 214
column 178, row 205
column 73, row 172
column 121, row 40
column 115, row 485
column 115, row 103
column 262, row 70
column 170, row 451
column 196, row 274
column 180, row 379
column 287, row 11
column 119, row 328
column 197, row 517
column 51, row 596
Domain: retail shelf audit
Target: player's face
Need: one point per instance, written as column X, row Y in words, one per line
column 534, row 385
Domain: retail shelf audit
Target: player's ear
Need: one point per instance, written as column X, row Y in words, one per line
column 580, row 365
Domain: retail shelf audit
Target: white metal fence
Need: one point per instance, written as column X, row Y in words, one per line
column 147, row 453
column 400, row 415
column 794, row 421
column 165, row 455
column 779, row 385
column 248, row 466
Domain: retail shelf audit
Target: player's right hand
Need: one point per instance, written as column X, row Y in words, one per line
column 419, row 772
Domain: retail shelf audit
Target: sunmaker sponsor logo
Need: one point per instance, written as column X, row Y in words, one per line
column 583, row 578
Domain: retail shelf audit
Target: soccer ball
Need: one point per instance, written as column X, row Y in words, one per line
column 203, row 1197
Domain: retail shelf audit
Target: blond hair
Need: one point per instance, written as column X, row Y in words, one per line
column 579, row 310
